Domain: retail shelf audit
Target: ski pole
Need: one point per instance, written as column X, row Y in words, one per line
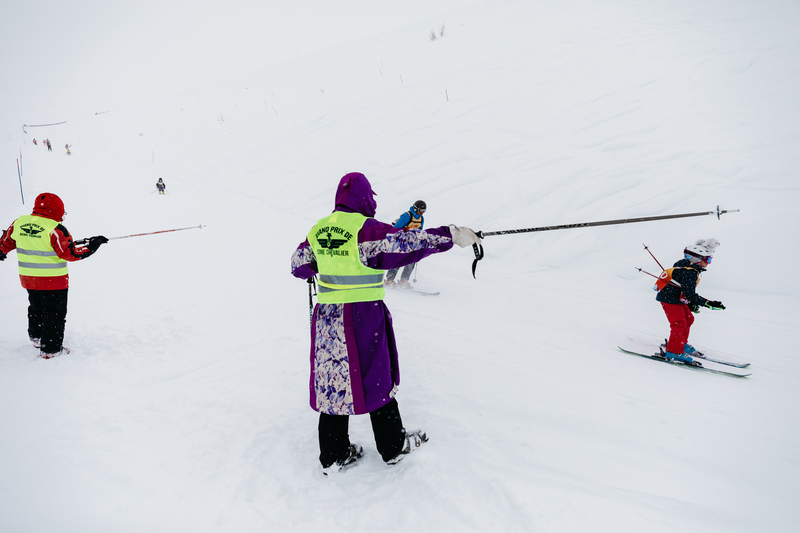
column 201, row 226
column 478, row 248
column 651, row 255
column 671, row 282
column 85, row 241
column 718, row 212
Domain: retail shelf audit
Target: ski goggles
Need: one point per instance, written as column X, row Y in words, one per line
column 699, row 258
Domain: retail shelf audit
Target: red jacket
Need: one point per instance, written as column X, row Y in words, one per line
column 49, row 206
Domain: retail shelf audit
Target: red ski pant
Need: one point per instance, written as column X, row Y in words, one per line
column 680, row 322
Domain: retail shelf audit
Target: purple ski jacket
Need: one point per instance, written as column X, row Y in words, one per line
column 354, row 366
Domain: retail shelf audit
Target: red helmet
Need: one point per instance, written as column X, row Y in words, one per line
column 49, row 205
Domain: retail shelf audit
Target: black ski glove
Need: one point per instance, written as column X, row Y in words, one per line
column 95, row 242
column 3, row 256
column 716, row 305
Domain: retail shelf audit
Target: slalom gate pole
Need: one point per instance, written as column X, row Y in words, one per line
column 478, row 248
column 201, row 226
column 19, row 173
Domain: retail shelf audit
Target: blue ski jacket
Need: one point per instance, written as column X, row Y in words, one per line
column 405, row 218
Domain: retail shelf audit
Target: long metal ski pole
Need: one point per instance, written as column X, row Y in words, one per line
column 718, row 212
column 478, row 248
column 201, row 226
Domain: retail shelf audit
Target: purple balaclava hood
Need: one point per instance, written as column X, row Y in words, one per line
column 355, row 195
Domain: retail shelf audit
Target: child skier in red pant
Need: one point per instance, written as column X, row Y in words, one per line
column 679, row 299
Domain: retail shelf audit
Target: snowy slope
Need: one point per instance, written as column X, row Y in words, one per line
column 183, row 406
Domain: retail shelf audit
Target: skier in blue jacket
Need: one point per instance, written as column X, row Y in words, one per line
column 411, row 219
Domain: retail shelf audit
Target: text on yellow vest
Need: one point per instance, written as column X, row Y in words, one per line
column 35, row 253
column 343, row 278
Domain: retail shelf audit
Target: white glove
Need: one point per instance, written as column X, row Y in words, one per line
column 464, row 236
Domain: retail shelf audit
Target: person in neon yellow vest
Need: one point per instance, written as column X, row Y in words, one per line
column 354, row 360
column 44, row 246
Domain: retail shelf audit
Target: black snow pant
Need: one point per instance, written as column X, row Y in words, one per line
column 47, row 316
column 387, row 427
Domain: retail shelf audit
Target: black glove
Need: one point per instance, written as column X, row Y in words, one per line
column 716, row 305
column 2, row 256
column 95, row 242
column 694, row 308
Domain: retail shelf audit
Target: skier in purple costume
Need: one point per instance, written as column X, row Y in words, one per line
column 354, row 363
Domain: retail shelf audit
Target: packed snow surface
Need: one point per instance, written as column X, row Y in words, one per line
column 184, row 403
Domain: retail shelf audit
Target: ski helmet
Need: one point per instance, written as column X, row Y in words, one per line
column 420, row 206
column 49, row 205
column 702, row 250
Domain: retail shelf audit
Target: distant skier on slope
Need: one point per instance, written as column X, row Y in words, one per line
column 411, row 219
column 679, row 299
column 43, row 248
column 354, row 362
column 161, row 186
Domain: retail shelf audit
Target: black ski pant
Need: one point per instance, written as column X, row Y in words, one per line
column 387, row 427
column 47, row 316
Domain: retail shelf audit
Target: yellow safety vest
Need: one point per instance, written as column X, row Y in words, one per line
column 342, row 276
column 415, row 222
column 35, row 254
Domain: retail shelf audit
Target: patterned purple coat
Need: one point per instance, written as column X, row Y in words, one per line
column 354, row 367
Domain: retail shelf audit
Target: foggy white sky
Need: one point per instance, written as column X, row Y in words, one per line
column 60, row 57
